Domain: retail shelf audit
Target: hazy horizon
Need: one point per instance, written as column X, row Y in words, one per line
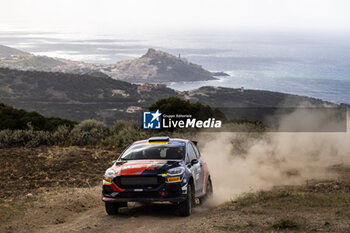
column 110, row 16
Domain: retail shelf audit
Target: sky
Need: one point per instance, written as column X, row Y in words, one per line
column 103, row 16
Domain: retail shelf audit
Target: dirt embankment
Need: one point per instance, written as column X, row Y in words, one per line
column 31, row 170
column 73, row 204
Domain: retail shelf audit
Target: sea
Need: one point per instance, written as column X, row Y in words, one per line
column 314, row 64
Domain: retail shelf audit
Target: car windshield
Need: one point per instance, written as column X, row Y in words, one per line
column 169, row 151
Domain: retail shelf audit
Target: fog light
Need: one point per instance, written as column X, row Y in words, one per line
column 108, row 180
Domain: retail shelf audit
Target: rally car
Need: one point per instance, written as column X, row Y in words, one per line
column 158, row 169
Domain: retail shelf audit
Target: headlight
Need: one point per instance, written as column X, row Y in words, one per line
column 110, row 173
column 176, row 171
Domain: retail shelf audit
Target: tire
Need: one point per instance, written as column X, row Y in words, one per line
column 185, row 207
column 112, row 208
column 209, row 190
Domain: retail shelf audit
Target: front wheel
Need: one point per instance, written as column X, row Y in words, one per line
column 112, row 208
column 185, row 207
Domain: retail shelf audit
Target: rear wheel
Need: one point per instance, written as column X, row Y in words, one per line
column 112, row 208
column 185, row 207
column 209, row 192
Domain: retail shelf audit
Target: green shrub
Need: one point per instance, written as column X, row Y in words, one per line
column 60, row 136
column 122, row 124
column 36, row 138
column 89, row 132
column 27, row 138
column 124, row 133
column 5, row 138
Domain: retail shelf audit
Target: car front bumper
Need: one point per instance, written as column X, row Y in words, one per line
column 166, row 192
column 144, row 199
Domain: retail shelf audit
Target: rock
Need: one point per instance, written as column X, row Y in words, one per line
column 59, row 221
column 219, row 74
column 29, row 195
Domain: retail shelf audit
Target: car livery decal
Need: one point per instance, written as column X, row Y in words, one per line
column 138, row 167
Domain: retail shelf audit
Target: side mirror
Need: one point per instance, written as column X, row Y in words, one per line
column 194, row 161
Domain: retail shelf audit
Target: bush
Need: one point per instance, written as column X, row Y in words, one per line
column 122, row 124
column 89, row 132
column 60, row 136
column 27, row 138
column 5, row 138
column 124, row 133
column 36, row 138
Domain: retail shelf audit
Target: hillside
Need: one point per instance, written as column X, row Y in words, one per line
column 238, row 98
column 7, row 52
column 153, row 67
column 17, row 59
column 78, row 97
column 75, row 96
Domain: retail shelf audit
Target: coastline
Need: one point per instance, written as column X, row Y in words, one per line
column 335, row 91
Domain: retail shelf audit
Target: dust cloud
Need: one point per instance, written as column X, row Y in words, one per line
column 245, row 162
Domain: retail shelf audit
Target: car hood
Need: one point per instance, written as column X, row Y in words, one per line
column 144, row 167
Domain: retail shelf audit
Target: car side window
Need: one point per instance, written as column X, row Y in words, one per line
column 191, row 152
column 196, row 151
column 187, row 159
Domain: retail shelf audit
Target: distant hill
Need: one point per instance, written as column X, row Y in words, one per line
column 31, row 62
column 153, row 67
column 79, row 97
column 253, row 105
column 7, row 52
column 240, row 98
column 158, row 66
column 17, row 59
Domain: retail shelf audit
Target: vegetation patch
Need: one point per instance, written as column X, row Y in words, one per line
column 285, row 223
column 14, row 208
column 14, row 119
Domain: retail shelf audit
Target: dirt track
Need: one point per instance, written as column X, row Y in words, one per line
column 82, row 210
column 322, row 207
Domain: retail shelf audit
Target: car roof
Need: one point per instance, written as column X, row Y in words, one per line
column 161, row 139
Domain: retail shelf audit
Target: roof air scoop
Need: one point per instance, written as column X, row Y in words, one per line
column 158, row 139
